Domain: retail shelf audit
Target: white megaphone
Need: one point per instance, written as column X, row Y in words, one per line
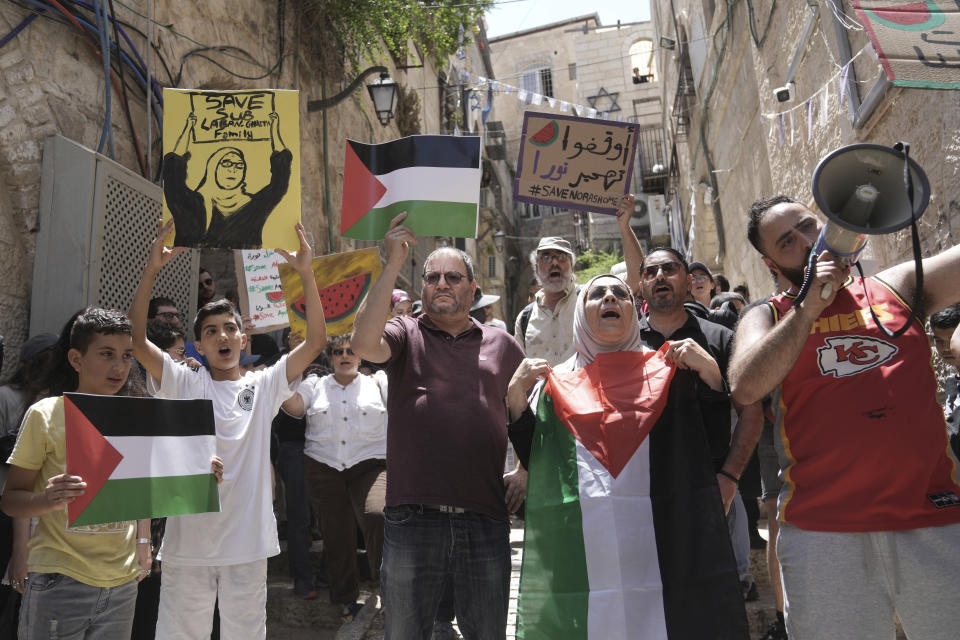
column 865, row 189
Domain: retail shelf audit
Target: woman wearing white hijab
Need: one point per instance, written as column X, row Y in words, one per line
column 625, row 534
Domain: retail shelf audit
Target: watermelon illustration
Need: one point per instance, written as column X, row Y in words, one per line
column 340, row 299
column 912, row 16
column 275, row 296
column 546, row 136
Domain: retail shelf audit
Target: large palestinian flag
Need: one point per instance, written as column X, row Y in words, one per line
column 435, row 179
column 625, row 533
column 140, row 457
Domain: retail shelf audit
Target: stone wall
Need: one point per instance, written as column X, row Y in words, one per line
column 750, row 160
column 51, row 81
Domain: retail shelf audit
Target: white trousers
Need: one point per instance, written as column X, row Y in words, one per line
column 850, row 585
column 189, row 594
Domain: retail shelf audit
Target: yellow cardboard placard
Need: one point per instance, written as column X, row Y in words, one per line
column 231, row 170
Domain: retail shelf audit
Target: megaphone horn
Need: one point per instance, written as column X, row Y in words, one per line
column 861, row 188
column 864, row 189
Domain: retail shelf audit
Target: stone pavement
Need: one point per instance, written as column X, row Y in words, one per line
column 289, row 617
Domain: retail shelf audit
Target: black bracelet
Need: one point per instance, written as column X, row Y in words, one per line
column 729, row 475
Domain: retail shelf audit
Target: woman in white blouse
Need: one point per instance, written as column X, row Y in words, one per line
column 345, row 464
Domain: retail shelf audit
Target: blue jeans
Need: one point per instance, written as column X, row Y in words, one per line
column 290, row 468
column 421, row 547
column 57, row 606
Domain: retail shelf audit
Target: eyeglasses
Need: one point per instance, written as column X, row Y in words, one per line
column 207, row 282
column 700, row 277
column 340, row 352
column 453, row 278
column 229, row 164
column 546, row 257
column 168, row 315
column 668, row 269
column 619, row 292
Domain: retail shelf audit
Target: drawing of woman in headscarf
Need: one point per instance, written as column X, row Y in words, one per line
column 220, row 213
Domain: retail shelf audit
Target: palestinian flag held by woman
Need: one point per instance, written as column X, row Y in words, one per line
column 625, row 531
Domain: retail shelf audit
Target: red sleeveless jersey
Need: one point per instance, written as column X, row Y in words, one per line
column 864, row 442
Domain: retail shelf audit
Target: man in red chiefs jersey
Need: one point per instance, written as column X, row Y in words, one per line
column 870, row 505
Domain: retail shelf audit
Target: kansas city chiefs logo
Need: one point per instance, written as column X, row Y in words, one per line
column 849, row 355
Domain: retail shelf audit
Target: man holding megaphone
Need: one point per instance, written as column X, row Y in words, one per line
column 870, row 506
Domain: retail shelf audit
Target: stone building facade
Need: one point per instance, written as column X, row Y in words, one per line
column 52, row 82
column 610, row 68
column 733, row 142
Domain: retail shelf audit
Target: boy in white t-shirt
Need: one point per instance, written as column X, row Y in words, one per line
column 225, row 554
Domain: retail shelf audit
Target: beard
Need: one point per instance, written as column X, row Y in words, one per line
column 794, row 275
column 459, row 304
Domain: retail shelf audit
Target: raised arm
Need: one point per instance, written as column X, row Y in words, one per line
column 632, row 251
column 148, row 354
column 183, row 142
column 305, row 352
column 763, row 354
column 276, row 142
column 940, row 276
column 372, row 315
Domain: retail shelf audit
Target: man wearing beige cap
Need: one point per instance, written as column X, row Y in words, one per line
column 545, row 327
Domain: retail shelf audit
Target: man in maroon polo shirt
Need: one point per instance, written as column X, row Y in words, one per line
column 445, row 515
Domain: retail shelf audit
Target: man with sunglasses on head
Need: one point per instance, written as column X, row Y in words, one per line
column 705, row 347
column 446, row 513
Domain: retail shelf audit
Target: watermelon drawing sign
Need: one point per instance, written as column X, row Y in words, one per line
column 343, row 279
column 574, row 163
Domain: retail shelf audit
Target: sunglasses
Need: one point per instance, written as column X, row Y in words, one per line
column 340, row 352
column 546, row 257
column 207, row 282
column 619, row 292
column 668, row 268
column 453, row 278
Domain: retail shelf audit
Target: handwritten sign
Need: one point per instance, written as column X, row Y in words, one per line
column 261, row 293
column 232, row 115
column 918, row 43
column 231, row 168
column 574, row 163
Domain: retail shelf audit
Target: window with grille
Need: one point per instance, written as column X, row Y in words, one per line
column 491, row 266
column 538, row 79
column 572, row 69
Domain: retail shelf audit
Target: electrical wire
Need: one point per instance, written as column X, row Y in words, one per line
column 17, row 29
column 126, row 101
column 107, row 132
column 752, row 21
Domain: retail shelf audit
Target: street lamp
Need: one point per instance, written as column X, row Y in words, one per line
column 383, row 92
column 499, row 239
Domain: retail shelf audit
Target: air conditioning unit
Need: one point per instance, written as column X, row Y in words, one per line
column 97, row 220
column 657, row 209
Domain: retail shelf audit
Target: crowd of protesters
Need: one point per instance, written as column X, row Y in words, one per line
column 399, row 431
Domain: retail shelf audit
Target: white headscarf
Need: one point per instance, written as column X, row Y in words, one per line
column 587, row 344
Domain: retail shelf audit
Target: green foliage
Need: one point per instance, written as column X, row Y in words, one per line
column 408, row 112
column 355, row 32
column 590, row 264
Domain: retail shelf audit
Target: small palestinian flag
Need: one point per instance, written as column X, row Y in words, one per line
column 625, row 532
column 435, row 179
column 140, row 457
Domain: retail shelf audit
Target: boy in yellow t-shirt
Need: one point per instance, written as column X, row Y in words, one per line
column 82, row 581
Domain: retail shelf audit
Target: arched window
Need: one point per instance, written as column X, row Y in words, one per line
column 641, row 61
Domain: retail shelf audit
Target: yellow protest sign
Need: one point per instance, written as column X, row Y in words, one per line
column 574, row 163
column 231, row 168
column 343, row 279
